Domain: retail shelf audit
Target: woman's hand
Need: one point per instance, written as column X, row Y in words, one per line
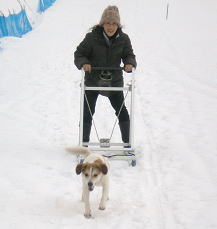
column 128, row 68
column 87, row 67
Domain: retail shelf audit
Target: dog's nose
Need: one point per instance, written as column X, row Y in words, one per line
column 90, row 184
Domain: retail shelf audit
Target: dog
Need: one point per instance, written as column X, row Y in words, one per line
column 95, row 172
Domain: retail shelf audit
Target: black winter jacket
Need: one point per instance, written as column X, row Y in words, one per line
column 97, row 52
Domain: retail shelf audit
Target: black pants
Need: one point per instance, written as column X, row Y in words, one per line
column 116, row 101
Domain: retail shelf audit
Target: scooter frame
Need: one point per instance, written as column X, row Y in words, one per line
column 122, row 151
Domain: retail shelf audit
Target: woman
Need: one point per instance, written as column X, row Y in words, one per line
column 106, row 46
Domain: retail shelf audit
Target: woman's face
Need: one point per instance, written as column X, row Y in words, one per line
column 110, row 28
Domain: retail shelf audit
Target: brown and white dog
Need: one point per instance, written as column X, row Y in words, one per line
column 94, row 172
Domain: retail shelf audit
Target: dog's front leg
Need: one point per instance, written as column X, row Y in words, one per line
column 104, row 198
column 86, row 199
column 82, row 197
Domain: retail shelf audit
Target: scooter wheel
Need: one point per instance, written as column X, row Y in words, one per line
column 133, row 163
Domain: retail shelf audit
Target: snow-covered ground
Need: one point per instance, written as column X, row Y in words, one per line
column 174, row 184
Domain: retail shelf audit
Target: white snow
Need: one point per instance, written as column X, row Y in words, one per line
column 174, row 184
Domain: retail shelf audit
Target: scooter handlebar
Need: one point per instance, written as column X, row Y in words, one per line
column 107, row 68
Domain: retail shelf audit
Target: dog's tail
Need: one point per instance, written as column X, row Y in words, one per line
column 84, row 151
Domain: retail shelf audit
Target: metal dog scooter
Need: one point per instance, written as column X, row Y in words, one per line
column 119, row 151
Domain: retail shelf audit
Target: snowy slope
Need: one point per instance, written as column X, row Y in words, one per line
column 174, row 183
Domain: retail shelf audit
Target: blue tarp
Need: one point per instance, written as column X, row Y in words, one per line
column 44, row 4
column 3, row 28
column 18, row 24
column 24, row 23
column 14, row 25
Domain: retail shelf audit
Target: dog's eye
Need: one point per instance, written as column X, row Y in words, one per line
column 95, row 175
column 86, row 175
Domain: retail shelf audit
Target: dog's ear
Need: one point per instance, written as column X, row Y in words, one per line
column 79, row 169
column 104, row 169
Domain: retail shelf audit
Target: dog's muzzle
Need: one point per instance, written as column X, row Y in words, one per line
column 90, row 186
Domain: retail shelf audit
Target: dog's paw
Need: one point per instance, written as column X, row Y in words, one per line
column 87, row 215
column 102, row 206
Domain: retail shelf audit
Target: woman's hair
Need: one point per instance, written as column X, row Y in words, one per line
column 94, row 27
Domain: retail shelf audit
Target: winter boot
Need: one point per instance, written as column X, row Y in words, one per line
column 86, row 131
column 125, row 131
